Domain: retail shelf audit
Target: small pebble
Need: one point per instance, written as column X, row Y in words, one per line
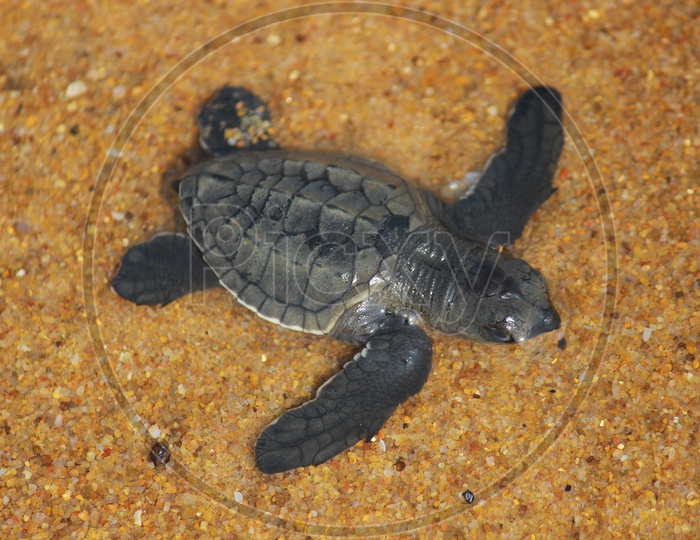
column 118, row 92
column 159, row 454
column 23, row 227
column 646, row 334
column 273, row 39
column 75, row 89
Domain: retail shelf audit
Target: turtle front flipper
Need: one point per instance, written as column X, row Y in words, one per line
column 234, row 119
column 354, row 404
column 517, row 180
column 162, row 270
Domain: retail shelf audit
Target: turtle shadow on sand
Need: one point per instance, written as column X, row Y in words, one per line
column 343, row 246
column 174, row 171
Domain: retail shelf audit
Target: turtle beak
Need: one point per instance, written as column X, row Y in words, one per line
column 549, row 321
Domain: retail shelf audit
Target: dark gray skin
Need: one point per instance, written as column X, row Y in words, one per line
column 342, row 246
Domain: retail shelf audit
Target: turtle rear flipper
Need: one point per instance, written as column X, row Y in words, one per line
column 162, row 270
column 234, row 119
column 354, row 404
column 517, row 180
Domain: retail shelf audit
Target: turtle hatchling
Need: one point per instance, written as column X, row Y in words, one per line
column 343, row 246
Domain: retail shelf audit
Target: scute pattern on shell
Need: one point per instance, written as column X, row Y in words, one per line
column 295, row 238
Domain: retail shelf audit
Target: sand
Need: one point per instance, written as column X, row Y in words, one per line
column 97, row 116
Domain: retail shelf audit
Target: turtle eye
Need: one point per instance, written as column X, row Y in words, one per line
column 498, row 334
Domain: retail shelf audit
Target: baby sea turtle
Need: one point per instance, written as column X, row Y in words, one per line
column 342, row 246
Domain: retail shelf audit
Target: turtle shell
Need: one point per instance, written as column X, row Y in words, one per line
column 300, row 238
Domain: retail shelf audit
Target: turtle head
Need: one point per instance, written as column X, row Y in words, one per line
column 514, row 303
column 504, row 300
